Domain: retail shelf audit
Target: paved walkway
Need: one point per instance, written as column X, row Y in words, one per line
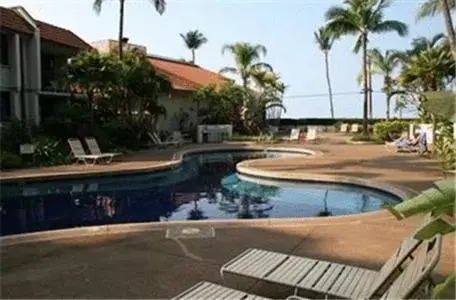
column 147, row 265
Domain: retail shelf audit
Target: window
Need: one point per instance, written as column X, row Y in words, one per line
column 5, row 105
column 4, row 59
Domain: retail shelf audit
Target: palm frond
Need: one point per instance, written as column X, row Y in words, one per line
column 226, row 70
column 391, row 25
column 160, row 5
column 228, row 48
column 262, row 66
column 260, row 49
column 97, row 4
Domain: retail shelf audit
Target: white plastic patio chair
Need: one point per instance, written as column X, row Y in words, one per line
column 79, row 154
column 157, row 141
column 95, row 150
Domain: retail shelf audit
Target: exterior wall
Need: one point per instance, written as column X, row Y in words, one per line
column 108, row 46
column 173, row 105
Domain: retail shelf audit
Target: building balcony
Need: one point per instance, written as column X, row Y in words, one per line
column 52, row 81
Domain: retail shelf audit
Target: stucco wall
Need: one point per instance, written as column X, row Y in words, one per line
column 173, row 105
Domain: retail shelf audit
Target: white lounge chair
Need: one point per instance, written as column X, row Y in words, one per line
column 169, row 142
column 177, row 136
column 344, row 128
column 354, row 128
column 311, row 136
column 412, row 283
column 294, row 135
column 95, row 149
column 329, row 278
column 208, row 290
column 79, row 154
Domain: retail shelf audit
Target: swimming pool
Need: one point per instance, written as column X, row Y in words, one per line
column 204, row 186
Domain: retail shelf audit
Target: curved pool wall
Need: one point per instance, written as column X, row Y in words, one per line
column 152, row 197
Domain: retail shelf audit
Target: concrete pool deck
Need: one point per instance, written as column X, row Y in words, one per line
column 148, row 265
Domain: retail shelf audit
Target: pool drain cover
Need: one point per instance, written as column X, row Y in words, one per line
column 187, row 232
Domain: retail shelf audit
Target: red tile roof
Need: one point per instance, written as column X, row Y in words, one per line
column 185, row 76
column 62, row 36
column 13, row 21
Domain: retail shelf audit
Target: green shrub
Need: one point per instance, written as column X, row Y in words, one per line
column 49, row 151
column 14, row 133
column 364, row 138
column 383, row 131
column 10, row 160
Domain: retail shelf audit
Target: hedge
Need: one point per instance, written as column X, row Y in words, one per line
column 328, row 121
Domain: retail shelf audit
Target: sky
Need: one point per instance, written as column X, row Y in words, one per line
column 285, row 27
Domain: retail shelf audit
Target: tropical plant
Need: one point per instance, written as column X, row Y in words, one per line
column 432, row 7
column 247, row 59
column 193, row 40
column 159, row 5
column 439, row 201
column 361, row 18
column 325, row 39
column 401, row 104
column 384, row 64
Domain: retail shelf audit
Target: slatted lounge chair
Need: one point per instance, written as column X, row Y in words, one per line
column 354, row 128
column 294, row 135
column 329, row 278
column 407, row 145
column 208, row 290
column 157, row 141
column 344, row 128
column 311, row 136
column 414, row 279
column 79, row 154
column 95, row 149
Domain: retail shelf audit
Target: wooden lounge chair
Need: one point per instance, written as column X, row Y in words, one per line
column 207, row 290
column 329, row 278
column 95, row 149
column 79, row 154
column 413, row 281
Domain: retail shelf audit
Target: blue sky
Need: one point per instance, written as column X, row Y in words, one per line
column 285, row 27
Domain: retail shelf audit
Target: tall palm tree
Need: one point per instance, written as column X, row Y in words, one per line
column 432, row 7
column 193, row 40
column 160, row 6
column 247, row 58
column 325, row 39
column 385, row 64
column 361, row 18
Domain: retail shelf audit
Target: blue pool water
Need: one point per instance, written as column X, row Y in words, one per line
column 204, row 186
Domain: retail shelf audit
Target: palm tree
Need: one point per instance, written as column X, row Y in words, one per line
column 325, row 40
column 385, row 65
column 432, row 7
column 247, row 58
column 401, row 104
column 193, row 40
column 160, row 6
column 361, row 18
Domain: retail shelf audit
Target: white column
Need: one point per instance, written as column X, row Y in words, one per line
column 36, row 77
column 16, row 70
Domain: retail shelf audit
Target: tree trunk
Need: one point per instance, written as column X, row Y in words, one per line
column 388, row 104
column 331, row 103
column 121, row 20
column 370, row 89
column 193, row 56
column 449, row 26
column 366, row 87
